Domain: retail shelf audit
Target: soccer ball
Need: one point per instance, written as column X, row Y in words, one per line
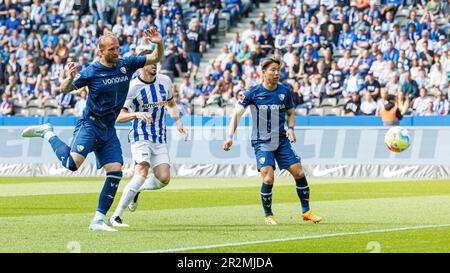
column 397, row 139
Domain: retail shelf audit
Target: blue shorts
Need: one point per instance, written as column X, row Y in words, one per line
column 103, row 142
column 194, row 57
column 284, row 155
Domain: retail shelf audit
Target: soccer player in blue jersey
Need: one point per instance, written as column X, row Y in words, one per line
column 271, row 106
column 108, row 80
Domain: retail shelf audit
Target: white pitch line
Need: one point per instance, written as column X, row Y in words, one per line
column 295, row 238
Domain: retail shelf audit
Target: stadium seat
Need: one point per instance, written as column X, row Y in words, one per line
column 329, row 102
column 51, row 103
column 315, row 103
column 342, row 101
column 34, row 103
column 301, row 111
column 20, row 104
column 43, row 28
column 68, row 112
column 52, row 112
column 20, row 112
column 316, row 112
column 36, row 112
column 332, row 111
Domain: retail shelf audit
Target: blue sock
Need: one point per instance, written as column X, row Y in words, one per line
column 303, row 193
column 109, row 191
column 266, row 198
column 62, row 151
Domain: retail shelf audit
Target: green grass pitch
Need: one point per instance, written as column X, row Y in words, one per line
column 225, row 215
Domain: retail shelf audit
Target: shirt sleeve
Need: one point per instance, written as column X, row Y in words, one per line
column 136, row 62
column 81, row 79
column 246, row 100
column 129, row 104
column 169, row 90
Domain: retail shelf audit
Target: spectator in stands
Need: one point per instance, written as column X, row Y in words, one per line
column 317, row 87
column 390, row 114
column 402, row 103
column 410, row 87
column 306, row 89
column 308, row 65
column 80, row 103
column 420, row 103
column 6, row 107
column 266, row 41
column 56, row 21
column 381, row 102
column 12, row 89
column 66, row 101
column 38, row 13
column 244, row 54
column 441, row 105
column 187, row 90
column 352, row 107
column 368, row 106
column 183, row 106
column 334, row 87
column 372, row 86
column 194, row 46
column 345, row 62
column 43, row 90
column 438, row 77
column 353, row 83
column 430, row 110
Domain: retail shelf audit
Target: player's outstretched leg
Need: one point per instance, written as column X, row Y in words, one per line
column 105, row 201
column 303, row 193
column 129, row 193
column 60, row 148
column 152, row 183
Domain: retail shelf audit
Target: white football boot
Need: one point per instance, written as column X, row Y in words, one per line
column 37, row 130
column 100, row 226
column 116, row 222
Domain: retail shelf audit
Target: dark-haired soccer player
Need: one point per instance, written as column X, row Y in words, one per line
column 108, row 80
column 271, row 102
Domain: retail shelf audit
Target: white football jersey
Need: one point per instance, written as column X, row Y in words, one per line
column 149, row 97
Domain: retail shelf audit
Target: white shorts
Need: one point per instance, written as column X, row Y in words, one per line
column 153, row 153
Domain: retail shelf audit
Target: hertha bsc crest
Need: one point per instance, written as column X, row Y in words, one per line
column 281, row 96
column 262, row 160
column 123, row 70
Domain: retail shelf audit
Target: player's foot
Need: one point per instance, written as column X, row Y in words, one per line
column 116, row 222
column 100, row 226
column 311, row 216
column 37, row 130
column 270, row 220
column 133, row 205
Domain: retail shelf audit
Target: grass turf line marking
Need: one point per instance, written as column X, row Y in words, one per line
column 319, row 236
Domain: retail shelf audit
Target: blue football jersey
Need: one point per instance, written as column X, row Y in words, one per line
column 108, row 88
column 268, row 109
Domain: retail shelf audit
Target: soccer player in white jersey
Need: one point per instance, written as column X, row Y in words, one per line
column 149, row 98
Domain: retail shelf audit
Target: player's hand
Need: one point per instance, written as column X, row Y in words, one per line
column 144, row 116
column 73, row 69
column 291, row 135
column 227, row 144
column 153, row 35
column 183, row 131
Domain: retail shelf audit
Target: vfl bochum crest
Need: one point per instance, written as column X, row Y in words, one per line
column 123, row 70
column 80, row 148
column 281, row 96
column 262, row 160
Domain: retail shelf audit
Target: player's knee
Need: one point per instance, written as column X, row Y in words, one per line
column 300, row 174
column 268, row 179
column 142, row 169
column 163, row 178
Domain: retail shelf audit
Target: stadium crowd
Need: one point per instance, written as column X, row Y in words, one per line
column 340, row 57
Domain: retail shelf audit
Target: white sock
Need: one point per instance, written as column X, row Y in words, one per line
column 49, row 135
column 152, row 183
column 129, row 192
column 98, row 216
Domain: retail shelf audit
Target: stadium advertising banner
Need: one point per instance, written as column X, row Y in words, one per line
column 325, row 152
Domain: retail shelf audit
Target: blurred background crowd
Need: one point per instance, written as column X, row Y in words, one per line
column 340, row 57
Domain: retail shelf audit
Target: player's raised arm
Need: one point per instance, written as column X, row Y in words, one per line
column 174, row 113
column 237, row 114
column 126, row 116
column 155, row 37
column 66, row 85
